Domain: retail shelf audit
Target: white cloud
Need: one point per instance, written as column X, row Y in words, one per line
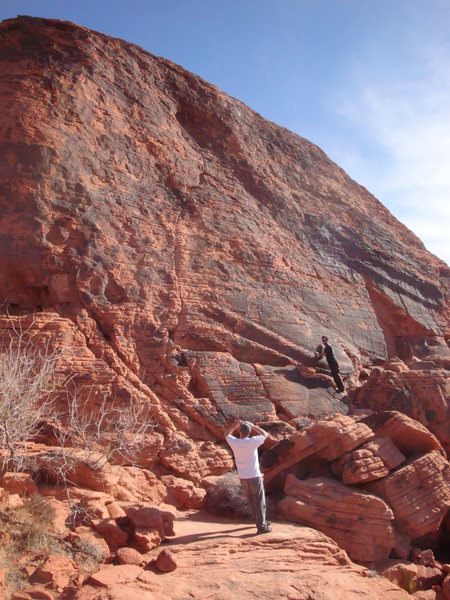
column 402, row 153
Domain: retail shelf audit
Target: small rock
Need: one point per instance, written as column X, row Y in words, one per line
column 165, row 562
column 128, row 556
column 115, row 511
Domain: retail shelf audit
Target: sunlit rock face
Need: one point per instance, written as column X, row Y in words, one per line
column 193, row 251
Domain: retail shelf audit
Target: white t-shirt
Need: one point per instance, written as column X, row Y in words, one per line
column 245, row 452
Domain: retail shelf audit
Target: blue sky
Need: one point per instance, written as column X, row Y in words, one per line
column 366, row 80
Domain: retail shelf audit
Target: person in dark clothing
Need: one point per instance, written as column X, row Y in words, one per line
column 326, row 350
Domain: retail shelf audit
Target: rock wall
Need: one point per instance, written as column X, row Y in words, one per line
column 171, row 225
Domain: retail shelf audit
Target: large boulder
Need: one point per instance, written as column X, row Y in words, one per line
column 372, row 460
column 409, row 435
column 360, row 523
column 419, row 495
column 328, row 439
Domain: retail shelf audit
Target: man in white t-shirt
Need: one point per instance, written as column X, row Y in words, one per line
column 245, row 450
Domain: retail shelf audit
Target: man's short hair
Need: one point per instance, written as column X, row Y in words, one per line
column 245, row 428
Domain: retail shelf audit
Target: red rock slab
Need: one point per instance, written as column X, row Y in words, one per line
column 182, row 493
column 233, row 386
column 328, row 439
column 373, row 460
column 344, row 434
column 224, row 559
column 360, row 523
column 195, row 460
column 111, row 532
column 296, row 395
column 115, row 511
column 141, row 589
column 111, row 575
column 122, row 483
column 419, row 495
column 143, row 517
column 146, row 538
column 57, row 571
column 18, row 483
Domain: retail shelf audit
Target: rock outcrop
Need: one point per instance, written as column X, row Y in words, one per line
column 419, row 494
column 420, row 389
column 360, row 523
column 216, row 558
column 191, row 249
column 376, row 494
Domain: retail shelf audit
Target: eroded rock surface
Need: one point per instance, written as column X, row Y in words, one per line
column 420, row 389
column 405, row 469
column 360, row 523
column 188, row 247
column 220, row 559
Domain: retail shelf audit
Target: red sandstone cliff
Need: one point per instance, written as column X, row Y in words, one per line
column 156, row 213
column 190, row 254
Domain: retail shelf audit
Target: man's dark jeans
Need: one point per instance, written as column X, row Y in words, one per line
column 254, row 490
column 337, row 378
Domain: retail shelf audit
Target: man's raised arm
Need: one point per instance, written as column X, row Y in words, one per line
column 232, row 427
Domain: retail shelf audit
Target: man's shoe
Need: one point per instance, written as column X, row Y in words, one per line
column 264, row 530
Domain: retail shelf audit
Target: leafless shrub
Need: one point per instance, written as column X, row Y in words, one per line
column 102, row 433
column 226, row 498
column 29, row 380
column 88, row 431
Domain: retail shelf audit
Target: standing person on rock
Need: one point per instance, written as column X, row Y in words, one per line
column 245, row 450
column 326, row 350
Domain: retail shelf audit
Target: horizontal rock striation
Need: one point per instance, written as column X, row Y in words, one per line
column 371, row 461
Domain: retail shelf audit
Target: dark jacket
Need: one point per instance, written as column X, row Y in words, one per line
column 329, row 355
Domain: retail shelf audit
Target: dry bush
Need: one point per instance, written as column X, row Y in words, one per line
column 227, row 498
column 87, row 554
column 29, row 380
column 28, row 526
column 99, row 433
column 26, row 534
column 89, row 431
